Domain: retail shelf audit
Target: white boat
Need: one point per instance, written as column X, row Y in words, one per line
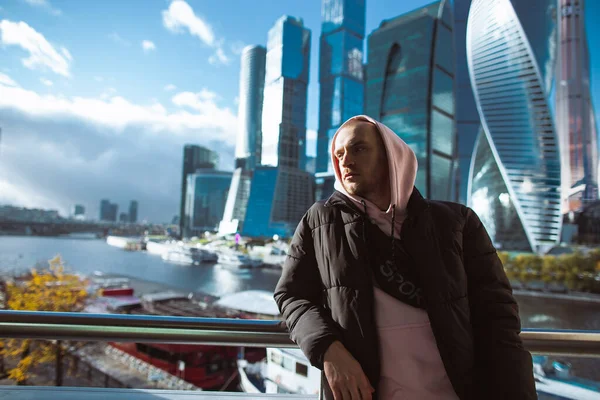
column 284, row 371
column 124, row 243
column 158, row 248
column 189, row 255
column 237, row 259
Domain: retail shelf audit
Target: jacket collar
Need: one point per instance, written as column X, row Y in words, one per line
column 416, row 203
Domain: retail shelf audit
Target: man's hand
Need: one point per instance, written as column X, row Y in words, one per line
column 345, row 375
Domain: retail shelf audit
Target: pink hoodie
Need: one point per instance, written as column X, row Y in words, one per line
column 403, row 171
column 411, row 366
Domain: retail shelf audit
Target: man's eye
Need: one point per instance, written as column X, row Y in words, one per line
column 359, row 148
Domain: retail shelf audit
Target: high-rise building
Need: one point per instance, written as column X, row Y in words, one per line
column 281, row 189
column 278, row 199
column 249, row 141
column 78, row 211
column 468, row 125
column 108, row 211
column 123, row 217
column 410, row 88
column 575, row 122
column 516, row 176
column 194, row 157
column 285, row 98
column 252, row 83
column 340, row 70
column 206, row 196
column 133, row 211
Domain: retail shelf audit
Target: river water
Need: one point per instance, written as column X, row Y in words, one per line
column 19, row 253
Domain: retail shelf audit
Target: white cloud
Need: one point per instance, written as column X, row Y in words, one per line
column 170, row 87
column 148, row 46
column 118, row 113
column 115, row 37
column 44, row 4
column 41, row 53
column 180, row 15
column 46, row 82
column 58, row 151
column 219, row 58
column 7, row 81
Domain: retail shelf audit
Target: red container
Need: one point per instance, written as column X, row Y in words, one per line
column 126, row 291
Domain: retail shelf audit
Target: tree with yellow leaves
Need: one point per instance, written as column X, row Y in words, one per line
column 47, row 290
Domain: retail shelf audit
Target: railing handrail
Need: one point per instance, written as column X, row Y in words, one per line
column 225, row 331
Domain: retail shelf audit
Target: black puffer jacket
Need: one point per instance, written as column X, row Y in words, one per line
column 325, row 294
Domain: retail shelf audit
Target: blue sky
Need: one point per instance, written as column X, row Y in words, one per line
column 108, row 92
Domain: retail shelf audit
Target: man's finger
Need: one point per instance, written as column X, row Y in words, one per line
column 337, row 393
column 365, row 393
column 354, row 391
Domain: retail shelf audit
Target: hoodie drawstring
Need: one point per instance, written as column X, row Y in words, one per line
column 392, row 232
column 364, row 236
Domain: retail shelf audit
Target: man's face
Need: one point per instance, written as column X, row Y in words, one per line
column 362, row 159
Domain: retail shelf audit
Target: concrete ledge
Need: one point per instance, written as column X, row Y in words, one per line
column 80, row 393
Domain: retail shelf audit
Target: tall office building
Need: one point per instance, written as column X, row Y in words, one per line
column 123, row 217
column 516, row 175
column 249, row 140
column 285, row 98
column 194, row 157
column 206, row 195
column 133, row 211
column 281, row 189
column 108, row 211
column 340, row 71
column 252, row 83
column 78, row 211
column 468, row 125
column 410, row 88
column 575, row 122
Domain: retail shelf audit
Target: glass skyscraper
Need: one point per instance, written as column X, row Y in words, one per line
column 249, row 140
column 206, row 195
column 194, row 157
column 575, row 120
column 340, row 70
column 278, row 199
column 410, row 88
column 516, row 176
column 285, row 98
column 282, row 190
column 468, row 125
column 108, row 211
column 252, row 84
column 133, row 211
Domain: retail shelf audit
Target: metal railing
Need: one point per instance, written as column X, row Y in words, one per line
column 225, row 331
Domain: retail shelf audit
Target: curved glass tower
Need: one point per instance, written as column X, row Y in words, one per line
column 516, row 176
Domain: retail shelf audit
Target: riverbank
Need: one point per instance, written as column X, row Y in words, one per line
column 582, row 297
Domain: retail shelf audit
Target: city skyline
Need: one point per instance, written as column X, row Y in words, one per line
column 88, row 119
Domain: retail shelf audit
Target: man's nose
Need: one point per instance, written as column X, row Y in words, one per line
column 346, row 159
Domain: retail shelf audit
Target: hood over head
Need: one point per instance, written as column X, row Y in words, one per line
column 402, row 164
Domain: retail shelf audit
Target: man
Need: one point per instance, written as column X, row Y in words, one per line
column 395, row 296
